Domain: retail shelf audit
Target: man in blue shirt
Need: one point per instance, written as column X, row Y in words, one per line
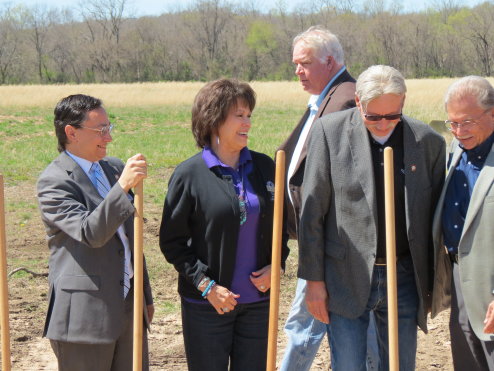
column 463, row 226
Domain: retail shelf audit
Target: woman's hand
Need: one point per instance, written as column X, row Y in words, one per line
column 261, row 279
column 222, row 299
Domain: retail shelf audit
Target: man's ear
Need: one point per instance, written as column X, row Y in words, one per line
column 357, row 100
column 329, row 61
column 492, row 113
column 70, row 132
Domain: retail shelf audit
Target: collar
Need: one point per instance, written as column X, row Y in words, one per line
column 212, row 160
column 392, row 138
column 482, row 150
column 316, row 100
column 82, row 162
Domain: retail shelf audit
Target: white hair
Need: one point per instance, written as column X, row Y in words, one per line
column 322, row 42
column 377, row 81
column 471, row 86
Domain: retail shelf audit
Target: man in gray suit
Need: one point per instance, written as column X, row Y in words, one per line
column 86, row 206
column 463, row 226
column 342, row 227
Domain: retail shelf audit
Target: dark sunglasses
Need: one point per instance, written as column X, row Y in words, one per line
column 394, row 116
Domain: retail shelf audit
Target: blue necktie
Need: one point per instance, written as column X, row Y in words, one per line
column 99, row 180
column 103, row 187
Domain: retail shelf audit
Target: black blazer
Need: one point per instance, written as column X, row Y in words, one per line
column 201, row 221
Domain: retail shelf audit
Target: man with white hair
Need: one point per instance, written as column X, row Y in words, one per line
column 342, row 252
column 463, row 226
column 319, row 64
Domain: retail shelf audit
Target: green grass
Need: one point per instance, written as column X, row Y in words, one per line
column 162, row 134
column 166, row 307
column 36, row 265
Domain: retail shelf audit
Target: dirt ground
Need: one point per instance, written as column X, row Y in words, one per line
column 27, row 299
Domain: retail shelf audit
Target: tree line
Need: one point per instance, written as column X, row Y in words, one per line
column 99, row 41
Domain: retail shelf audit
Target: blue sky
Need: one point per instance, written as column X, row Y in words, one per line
column 156, row 7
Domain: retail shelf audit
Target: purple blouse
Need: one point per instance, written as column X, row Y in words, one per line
column 246, row 259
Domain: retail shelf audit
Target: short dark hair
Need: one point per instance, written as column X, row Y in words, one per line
column 213, row 103
column 72, row 110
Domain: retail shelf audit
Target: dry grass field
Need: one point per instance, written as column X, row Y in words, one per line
column 144, row 94
column 424, row 96
column 152, row 118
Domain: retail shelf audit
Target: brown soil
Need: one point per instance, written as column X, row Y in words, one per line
column 27, row 299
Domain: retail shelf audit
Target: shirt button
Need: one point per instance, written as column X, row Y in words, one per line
column 456, row 227
column 382, row 163
column 380, row 149
column 469, row 162
column 456, row 203
column 480, row 157
column 465, row 185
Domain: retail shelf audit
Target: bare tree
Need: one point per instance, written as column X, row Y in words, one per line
column 207, row 22
column 40, row 21
column 108, row 14
column 213, row 38
column 104, row 20
column 480, row 26
column 9, row 39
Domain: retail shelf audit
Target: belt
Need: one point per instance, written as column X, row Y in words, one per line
column 382, row 261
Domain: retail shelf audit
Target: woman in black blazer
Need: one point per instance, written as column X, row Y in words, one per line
column 216, row 230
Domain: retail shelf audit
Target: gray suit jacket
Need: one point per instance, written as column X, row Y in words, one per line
column 86, row 303
column 475, row 250
column 340, row 96
column 338, row 226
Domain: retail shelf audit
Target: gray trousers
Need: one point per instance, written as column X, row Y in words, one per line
column 116, row 356
column 469, row 352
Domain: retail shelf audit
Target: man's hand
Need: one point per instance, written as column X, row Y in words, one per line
column 489, row 319
column 317, row 300
column 134, row 171
column 150, row 309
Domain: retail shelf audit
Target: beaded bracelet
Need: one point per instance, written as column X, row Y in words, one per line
column 203, row 281
column 208, row 288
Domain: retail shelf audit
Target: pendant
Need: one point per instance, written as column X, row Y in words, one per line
column 243, row 210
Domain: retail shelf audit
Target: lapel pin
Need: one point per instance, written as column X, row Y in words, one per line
column 414, row 167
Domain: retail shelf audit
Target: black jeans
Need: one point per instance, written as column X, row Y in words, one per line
column 238, row 338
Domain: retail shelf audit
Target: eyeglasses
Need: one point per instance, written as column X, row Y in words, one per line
column 105, row 130
column 390, row 117
column 467, row 124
